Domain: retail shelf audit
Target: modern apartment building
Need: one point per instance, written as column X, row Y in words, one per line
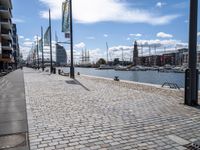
column 6, row 38
column 61, row 55
column 16, row 53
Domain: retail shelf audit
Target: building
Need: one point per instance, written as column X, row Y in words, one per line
column 16, row 53
column 186, row 58
column 6, row 47
column 175, row 58
column 152, row 60
column 61, row 55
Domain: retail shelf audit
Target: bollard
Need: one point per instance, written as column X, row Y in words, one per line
column 116, row 78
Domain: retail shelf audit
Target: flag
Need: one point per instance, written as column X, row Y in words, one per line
column 47, row 37
column 66, row 16
column 40, row 45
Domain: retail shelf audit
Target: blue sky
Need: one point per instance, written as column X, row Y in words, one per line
column 119, row 22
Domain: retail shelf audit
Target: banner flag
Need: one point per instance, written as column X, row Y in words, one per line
column 47, row 37
column 66, row 16
column 40, row 45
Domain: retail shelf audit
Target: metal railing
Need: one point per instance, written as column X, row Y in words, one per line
column 171, row 85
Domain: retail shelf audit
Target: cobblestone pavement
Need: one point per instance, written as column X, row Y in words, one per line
column 91, row 113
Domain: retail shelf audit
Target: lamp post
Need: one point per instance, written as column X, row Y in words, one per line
column 42, row 49
column 191, row 76
column 71, row 45
column 38, row 65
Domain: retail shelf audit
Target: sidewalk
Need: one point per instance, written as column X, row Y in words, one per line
column 13, row 116
column 91, row 113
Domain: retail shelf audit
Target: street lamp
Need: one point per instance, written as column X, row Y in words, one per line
column 71, row 45
column 191, row 76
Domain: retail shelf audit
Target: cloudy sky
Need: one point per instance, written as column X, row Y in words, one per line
column 159, row 23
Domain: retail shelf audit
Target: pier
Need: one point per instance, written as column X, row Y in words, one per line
column 98, row 113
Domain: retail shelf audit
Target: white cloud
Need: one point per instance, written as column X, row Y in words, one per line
column 128, row 39
column 36, row 37
column 160, row 4
column 27, row 43
column 105, row 35
column 113, row 10
column 164, row 35
column 95, row 54
column 80, row 45
column 17, row 20
column 120, row 48
column 21, row 37
column 116, row 51
column 136, row 35
column 198, row 33
column 27, row 39
column 25, row 51
column 162, row 43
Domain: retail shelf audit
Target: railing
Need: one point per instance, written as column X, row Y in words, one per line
column 6, row 55
column 5, row 20
column 171, row 85
column 7, row 44
column 3, row 31
column 3, row 8
column 6, row 9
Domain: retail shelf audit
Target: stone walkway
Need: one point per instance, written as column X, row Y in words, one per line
column 91, row 113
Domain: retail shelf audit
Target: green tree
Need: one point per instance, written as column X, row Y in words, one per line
column 101, row 61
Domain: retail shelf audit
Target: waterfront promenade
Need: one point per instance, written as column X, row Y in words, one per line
column 92, row 113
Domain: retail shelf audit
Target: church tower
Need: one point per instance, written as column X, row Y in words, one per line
column 135, row 54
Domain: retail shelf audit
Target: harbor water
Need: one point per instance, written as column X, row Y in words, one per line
column 152, row 77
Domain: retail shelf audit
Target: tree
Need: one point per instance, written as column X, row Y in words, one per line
column 101, row 61
column 116, row 61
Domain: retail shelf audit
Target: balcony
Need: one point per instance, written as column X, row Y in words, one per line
column 6, row 23
column 6, row 34
column 6, row 3
column 6, row 56
column 7, row 46
column 5, row 12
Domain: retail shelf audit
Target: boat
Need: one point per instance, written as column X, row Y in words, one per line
column 138, row 68
column 105, row 67
column 121, row 68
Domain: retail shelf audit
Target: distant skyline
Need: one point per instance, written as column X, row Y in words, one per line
column 163, row 23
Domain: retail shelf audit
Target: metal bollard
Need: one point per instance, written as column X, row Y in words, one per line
column 116, row 78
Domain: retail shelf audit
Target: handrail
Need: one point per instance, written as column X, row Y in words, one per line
column 171, row 85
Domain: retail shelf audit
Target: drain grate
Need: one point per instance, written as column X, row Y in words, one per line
column 12, row 141
column 194, row 145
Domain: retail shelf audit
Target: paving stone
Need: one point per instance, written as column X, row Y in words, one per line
column 103, row 114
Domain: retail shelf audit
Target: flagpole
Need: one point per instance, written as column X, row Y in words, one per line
column 51, row 69
column 42, row 48
column 37, row 53
column 71, row 45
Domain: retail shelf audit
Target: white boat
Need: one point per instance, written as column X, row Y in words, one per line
column 121, row 68
column 104, row 67
column 138, row 68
